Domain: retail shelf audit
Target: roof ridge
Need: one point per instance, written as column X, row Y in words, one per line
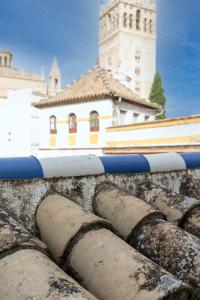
column 74, row 81
column 96, row 83
column 104, row 79
column 107, row 83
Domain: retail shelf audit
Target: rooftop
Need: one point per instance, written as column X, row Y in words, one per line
column 97, row 83
column 157, row 213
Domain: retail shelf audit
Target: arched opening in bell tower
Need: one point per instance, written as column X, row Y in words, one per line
column 138, row 16
column 5, row 61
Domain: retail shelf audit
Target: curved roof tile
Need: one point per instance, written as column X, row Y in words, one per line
column 96, row 83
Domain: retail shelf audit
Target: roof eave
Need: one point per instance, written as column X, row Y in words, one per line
column 70, row 101
column 139, row 102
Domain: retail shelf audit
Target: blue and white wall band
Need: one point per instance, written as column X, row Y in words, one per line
column 20, row 168
column 32, row 168
column 165, row 162
column 192, row 160
column 125, row 164
column 71, row 166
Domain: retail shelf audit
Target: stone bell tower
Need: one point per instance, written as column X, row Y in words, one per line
column 54, row 85
column 6, row 59
column 127, row 42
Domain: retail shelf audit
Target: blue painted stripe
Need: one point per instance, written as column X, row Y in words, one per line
column 125, row 164
column 30, row 167
column 191, row 159
column 20, row 168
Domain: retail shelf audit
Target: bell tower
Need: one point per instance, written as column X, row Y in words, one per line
column 54, row 85
column 6, row 59
column 127, row 42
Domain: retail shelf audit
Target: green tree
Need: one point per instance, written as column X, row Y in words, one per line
column 157, row 95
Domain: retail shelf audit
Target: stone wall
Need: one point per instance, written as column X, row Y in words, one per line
column 20, row 198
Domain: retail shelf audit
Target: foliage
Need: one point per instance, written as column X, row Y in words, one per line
column 157, row 95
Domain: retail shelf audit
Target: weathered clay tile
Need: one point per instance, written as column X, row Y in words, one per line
column 26, row 272
column 169, row 246
column 102, row 262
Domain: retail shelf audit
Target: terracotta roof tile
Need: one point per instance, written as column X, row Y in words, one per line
column 97, row 83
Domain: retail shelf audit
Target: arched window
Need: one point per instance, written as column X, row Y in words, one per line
column 109, row 61
column 131, row 21
column 109, row 22
column 72, row 123
column 10, row 61
column 5, row 61
column 138, row 15
column 106, row 28
column 114, row 22
column 94, row 121
column 125, row 19
column 117, row 21
column 56, row 83
column 52, row 123
column 137, row 71
column 137, row 55
column 150, row 26
column 145, row 25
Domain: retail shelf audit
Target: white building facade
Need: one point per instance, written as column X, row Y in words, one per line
column 19, row 124
column 12, row 79
column 75, row 121
column 113, row 93
column 168, row 135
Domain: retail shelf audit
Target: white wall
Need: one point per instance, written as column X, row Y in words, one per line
column 65, row 152
column 109, row 114
column 16, row 127
column 130, row 110
column 82, row 111
column 156, row 135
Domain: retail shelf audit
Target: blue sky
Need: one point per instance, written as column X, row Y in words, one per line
column 37, row 30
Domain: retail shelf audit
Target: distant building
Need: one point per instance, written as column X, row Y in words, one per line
column 19, row 122
column 107, row 110
column 54, row 84
column 77, row 118
column 127, row 44
column 113, row 93
column 12, row 79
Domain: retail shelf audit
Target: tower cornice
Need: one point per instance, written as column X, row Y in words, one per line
column 149, row 5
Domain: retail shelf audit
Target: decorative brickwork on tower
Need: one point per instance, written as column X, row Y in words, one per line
column 127, row 43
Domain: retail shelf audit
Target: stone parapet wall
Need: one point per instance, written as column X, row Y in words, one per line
column 82, row 165
column 91, row 249
column 21, row 197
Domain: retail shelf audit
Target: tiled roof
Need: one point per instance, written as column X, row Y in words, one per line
column 86, row 248
column 14, row 73
column 97, row 83
column 125, row 246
